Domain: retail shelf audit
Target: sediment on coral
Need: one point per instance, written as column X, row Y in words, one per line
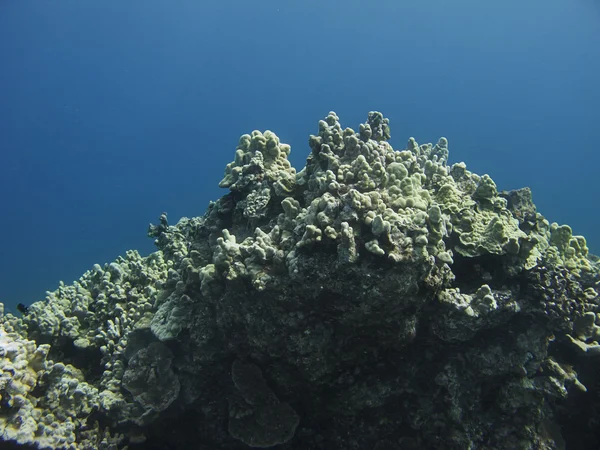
column 376, row 299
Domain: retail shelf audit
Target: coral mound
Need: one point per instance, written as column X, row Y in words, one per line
column 376, row 299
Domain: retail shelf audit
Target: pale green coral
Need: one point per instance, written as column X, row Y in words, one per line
column 405, row 205
column 97, row 312
column 567, row 250
column 49, row 421
column 260, row 157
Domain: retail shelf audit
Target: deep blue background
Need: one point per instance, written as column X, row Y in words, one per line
column 113, row 112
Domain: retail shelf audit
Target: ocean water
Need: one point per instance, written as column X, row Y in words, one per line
column 113, row 112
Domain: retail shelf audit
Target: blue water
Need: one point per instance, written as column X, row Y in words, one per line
column 113, row 112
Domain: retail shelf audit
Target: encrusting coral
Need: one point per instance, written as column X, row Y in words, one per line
column 376, row 299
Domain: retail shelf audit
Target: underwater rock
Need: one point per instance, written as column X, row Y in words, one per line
column 377, row 298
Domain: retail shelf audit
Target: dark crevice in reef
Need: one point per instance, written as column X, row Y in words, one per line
column 9, row 445
column 192, row 425
column 88, row 360
column 471, row 273
column 579, row 416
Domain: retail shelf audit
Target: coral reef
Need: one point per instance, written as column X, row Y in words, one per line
column 376, row 299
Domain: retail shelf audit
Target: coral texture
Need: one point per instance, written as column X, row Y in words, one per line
column 376, row 299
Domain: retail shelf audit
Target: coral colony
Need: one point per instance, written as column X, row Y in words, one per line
column 376, row 299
